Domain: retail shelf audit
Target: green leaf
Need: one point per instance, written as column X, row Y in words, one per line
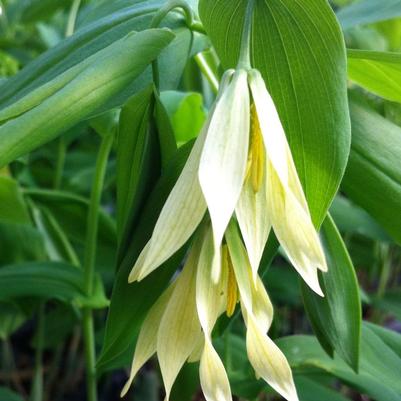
column 52, row 280
column 352, row 219
column 390, row 337
column 379, row 364
column 137, row 156
column 109, row 71
column 374, row 165
column 378, row 72
column 336, row 318
column 13, row 208
column 310, row 390
column 186, row 113
column 369, row 11
column 300, row 52
column 130, row 302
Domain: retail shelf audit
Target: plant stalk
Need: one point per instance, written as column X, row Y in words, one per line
column 244, row 60
column 72, row 18
column 37, row 382
column 89, row 265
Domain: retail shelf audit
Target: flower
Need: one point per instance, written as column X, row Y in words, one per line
column 241, row 163
column 179, row 325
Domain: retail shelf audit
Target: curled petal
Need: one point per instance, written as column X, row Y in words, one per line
column 268, row 361
column 295, row 231
column 147, row 339
column 213, row 377
column 223, row 162
column 179, row 328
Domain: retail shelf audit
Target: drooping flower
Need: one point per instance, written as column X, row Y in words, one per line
column 241, row 163
column 179, row 325
column 240, row 169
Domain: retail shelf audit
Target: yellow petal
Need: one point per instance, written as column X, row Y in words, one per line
column 224, row 157
column 179, row 328
column 147, row 339
column 213, row 377
column 268, row 361
column 295, row 232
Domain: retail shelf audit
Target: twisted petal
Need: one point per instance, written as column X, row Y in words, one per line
column 268, row 360
column 181, row 214
column 295, row 232
column 147, row 339
column 224, row 158
column 213, row 377
column 254, row 222
column 179, row 328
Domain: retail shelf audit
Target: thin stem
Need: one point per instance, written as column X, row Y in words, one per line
column 207, row 71
column 37, row 383
column 61, row 154
column 72, row 17
column 89, row 264
column 244, row 60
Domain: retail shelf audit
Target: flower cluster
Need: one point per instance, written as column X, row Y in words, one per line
column 242, row 173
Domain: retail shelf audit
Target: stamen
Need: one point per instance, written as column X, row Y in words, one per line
column 257, row 152
column 232, row 288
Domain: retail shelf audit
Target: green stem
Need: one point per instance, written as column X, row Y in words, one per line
column 89, row 265
column 207, row 71
column 61, row 154
column 72, row 17
column 37, row 382
column 244, row 60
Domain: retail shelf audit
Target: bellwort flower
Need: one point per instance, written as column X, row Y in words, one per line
column 240, row 173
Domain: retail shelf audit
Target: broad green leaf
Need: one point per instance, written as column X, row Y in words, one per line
column 311, row 390
column 104, row 30
column 108, row 72
column 300, row 52
column 52, row 280
column 390, row 337
column 352, row 219
column 336, row 318
column 137, row 155
column 379, row 364
column 130, row 302
column 378, row 72
column 374, row 165
column 369, row 11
